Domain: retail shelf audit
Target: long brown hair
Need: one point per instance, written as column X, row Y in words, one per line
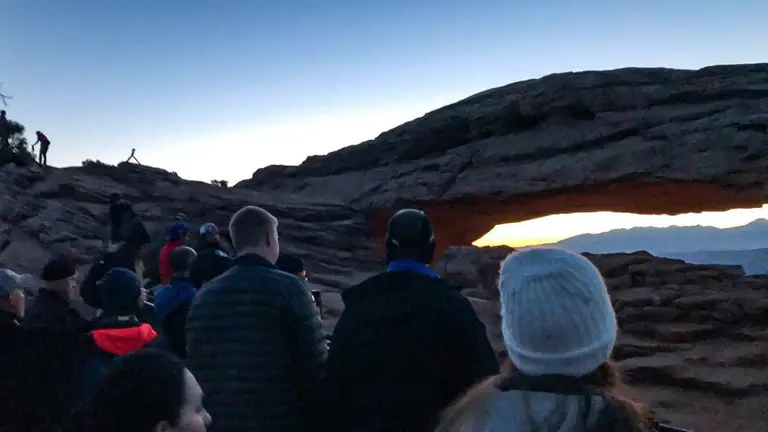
column 470, row 411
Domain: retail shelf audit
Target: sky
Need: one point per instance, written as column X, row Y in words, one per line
column 215, row 89
column 551, row 229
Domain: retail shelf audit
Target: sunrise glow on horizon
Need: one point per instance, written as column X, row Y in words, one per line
column 554, row 228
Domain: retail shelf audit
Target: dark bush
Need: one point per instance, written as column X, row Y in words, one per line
column 220, row 183
column 95, row 163
column 17, row 151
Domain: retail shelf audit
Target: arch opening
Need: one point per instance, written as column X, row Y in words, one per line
column 462, row 222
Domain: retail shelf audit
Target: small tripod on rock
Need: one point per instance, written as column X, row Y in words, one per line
column 133, row 157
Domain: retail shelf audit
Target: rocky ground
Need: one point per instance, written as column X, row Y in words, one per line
column 694, row 339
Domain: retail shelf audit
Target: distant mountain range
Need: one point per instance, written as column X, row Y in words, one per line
column 745, row 245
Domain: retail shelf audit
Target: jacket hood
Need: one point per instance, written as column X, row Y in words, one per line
column 522, row 411
column 177, row 292
column 122, row 341
column 393, row 282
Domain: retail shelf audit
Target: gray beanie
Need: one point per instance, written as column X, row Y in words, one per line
column 557, row 318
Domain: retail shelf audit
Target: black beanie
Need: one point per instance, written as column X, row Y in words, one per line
column 58, row 269
column 290, row 264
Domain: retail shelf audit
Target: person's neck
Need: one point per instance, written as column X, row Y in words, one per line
column 61, row 292
column 253, row 251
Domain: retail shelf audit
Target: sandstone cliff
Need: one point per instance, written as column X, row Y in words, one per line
column 634, row 140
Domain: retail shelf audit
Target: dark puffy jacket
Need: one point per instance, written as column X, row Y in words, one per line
column 406, row 346
column 256, row 345
column 210, row 263
column 37, row 378
column 172, row 304
column 52, row 310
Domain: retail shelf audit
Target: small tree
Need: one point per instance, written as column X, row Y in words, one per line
column 220, row 183
column 17, row 151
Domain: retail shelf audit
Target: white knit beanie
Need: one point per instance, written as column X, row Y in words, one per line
column 557, row 318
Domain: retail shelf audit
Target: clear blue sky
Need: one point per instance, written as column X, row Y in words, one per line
column 216, row 89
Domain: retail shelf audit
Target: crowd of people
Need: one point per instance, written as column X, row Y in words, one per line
column 231, row 339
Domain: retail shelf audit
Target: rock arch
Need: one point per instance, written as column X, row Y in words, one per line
column 635, row 140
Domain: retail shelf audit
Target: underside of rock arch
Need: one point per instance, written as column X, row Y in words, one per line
column 649, row 141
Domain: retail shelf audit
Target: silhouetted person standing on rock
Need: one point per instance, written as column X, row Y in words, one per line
column 407, row 344
column 44, row 144
column 254, row 339
column 4, row 132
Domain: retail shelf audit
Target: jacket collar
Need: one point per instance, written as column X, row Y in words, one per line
column 52, row 297
column 180, row 281
column 395, row 282
column 253, row 259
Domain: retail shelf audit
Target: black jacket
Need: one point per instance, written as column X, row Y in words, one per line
column 406, row 346
column 53, row 310
column 210, row 263
column 255, row 344
column 37, row 375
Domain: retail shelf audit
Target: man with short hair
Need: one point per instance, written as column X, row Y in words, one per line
column 408, row 343
column 53, row 305
column 172, row 301
column 254, row 339
column 211, row 259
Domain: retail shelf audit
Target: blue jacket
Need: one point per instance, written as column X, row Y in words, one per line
column 171, row 308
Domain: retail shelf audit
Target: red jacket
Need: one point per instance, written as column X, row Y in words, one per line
column 166, row 272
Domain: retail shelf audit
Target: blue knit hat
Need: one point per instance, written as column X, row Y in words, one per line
column 177, row 230
column 557, row 318
column 120, row 290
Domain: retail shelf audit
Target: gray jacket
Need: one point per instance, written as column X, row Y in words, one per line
column 255, row 344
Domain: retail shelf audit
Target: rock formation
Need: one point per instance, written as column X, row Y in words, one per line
column 631, row 140
column 638, row 140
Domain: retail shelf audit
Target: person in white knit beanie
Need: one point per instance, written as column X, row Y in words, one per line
column 557, row 318
column 559, row 329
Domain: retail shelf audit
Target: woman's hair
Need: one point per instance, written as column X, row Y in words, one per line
column 470, row 411
column 137, row 392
